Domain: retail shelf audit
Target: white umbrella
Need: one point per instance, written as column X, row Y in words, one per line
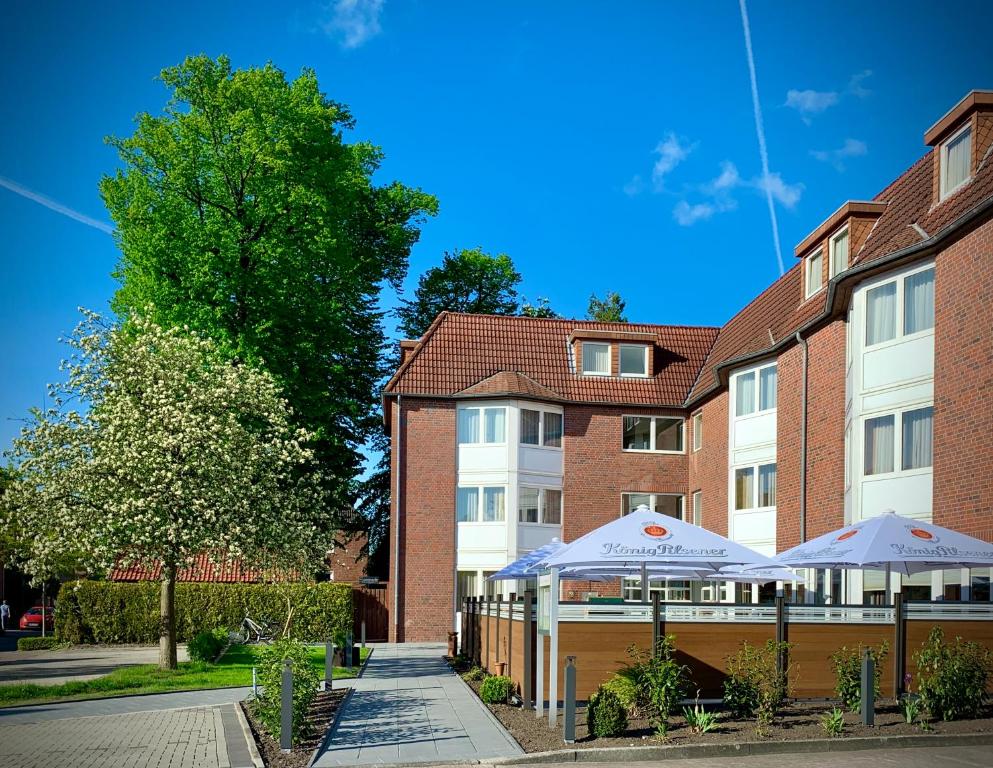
column 891, row 542
column 522, row 567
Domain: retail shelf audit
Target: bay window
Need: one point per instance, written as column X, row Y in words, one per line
column 541, row 428
column 480, row 503
column 481, row 425
column 652, row 433
column 755, row 486
column 914, row 293
column 539, row 505
column 755, row 391
column 908, row 435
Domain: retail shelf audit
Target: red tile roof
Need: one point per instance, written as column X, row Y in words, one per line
column 460, row 354
column 199, row 569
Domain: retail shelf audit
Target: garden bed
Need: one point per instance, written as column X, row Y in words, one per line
column 320, row 718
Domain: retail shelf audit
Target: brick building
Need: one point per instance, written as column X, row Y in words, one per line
column 861, row 380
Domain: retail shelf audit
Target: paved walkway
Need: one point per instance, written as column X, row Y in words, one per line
column 410, row 707
column 80, row 662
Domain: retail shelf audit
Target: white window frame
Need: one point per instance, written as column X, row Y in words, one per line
column 697, row 429
column 542, row 505
column 651, row 436
column 756, row 411
column 901, row 336
column 653, row 501
column 807, row 272
column 943, row 171
column 582, row 357
column 482, row 424
column 481, row 504
column 897, row 414
column 631, row 589
column 833, row 270
column 755, row 486
column 644, row 359
column 542, row 413
column 697, row 505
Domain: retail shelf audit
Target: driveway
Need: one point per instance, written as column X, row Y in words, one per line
column 80, row 662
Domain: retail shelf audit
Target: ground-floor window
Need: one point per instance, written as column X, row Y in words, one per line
column 668, row 592
column 465, row 586
column 670, row 504
column 980, row 584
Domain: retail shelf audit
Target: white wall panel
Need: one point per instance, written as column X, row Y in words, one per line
column 909, row 495
column 755, row 430
column 541, row 460
column 896, row 363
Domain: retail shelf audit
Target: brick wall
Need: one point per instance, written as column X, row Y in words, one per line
column 708, row 467
column 347, row 561
column 963, row 385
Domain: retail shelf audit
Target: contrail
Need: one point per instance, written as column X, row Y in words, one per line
column 54, row 205
column 760, row 130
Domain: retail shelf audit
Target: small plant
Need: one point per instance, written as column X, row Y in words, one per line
column 305, row 681
column 952, row 677
column 757, row 683
column 698, row 719
column 474, row 675
column 626, row 690
column 847, row 664
column 911, row 706
column 833, row 722
column 661, row 682
column 496, row 689
column 605, row 715
column 206, row 646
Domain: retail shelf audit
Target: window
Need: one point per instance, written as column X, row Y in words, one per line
column 918, row 432
column 481, row 425
column 751, row 495
column 839, row 252
column 879, row 434
column 596, row 359
column 915, row 449
column 634, row 360
column 668, row 591
column 541, row 428
column 670, row 504
column 466, row 586
column 697, row 507
column 652, row 433
column 697, row 431
column 473, row 504
column 956, row 161
column 750, row 398
column 848, row 456
column 539, row 505
column 914, row 293
column 815, row 275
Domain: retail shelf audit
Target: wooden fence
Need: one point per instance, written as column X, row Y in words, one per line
column 494, row 631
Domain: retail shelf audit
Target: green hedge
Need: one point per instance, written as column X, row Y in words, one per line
column 37, row 643
column 119, row 612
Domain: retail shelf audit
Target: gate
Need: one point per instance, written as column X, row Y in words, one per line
column 370, row 606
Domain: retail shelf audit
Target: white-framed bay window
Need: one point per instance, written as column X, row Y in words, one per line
column 539, row 506
column 755, row 390
column 814, row 272
column 898, row 442
column 956, row 160
column 670, row 504
column 755, row 486
column 900, row 308
column 541, row 428
column 659, row 434
column 633, row 360
column 839, row 252
column 481, row 504
column 484, row 425
column 595, row 358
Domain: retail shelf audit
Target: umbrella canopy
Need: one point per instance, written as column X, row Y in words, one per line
column 521, row 567
column 891, row 542
column 736, row 573
column 648, row 538
column 745, row 575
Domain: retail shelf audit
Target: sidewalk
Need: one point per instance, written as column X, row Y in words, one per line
column 410, row 707
column 80, row 662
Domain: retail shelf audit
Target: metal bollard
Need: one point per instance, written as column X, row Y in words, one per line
column 349, row 646
column 328, row 665
column 868, row 703
column 286, row 709
column 255, row 684
column 363, row 634
column 569, row 705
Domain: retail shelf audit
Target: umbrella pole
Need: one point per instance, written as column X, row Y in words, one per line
column 644, row 583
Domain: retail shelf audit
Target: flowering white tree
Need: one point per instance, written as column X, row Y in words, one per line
column 178, row 452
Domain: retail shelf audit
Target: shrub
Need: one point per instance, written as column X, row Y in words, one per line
column 496, row 689
column 698, row 719
column 475, row 674
column 758, row 682
column 605, row 715
column 207, row 645
column 740, row 695
column 120, row 612
column 626, row 689
column 661, row 682
column 847, row 663
column 305, row 681
column 951, row 677
column 38, row 643
column 833, row 722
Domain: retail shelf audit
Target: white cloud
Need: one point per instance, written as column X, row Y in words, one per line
column 635, row 186
column 810, row 102
column 687, row 215
column 787, row 195
column 855, row 86
column 671, row 152
column 55, row 205
column 728, row 179
column 353, row 22
column 851, row 148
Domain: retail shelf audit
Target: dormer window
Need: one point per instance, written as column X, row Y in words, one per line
column 634, row 360
column 956, row 161
column 815, row 273
column 839, row 252
column 596, row 359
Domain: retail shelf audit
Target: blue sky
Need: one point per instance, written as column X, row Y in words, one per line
column 604, row 146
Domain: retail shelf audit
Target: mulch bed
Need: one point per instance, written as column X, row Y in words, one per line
column 319, row 719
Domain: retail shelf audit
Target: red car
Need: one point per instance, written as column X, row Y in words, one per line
column 32, row 619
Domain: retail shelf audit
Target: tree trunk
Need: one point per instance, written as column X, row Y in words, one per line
column 167, row 618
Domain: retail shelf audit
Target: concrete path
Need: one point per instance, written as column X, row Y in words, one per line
column 410, row 707
column 80, row 662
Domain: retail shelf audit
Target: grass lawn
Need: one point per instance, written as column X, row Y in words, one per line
column 233, row 669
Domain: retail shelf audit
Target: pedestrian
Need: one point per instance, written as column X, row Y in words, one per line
column 4, row 615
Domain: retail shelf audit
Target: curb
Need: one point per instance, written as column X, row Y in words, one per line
column 246, row 730
column 741, row 749
column 332, row 729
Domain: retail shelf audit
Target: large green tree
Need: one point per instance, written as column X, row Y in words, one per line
column 468, row 280
column 243, row 213
column 609, row 309
column 173, row 451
